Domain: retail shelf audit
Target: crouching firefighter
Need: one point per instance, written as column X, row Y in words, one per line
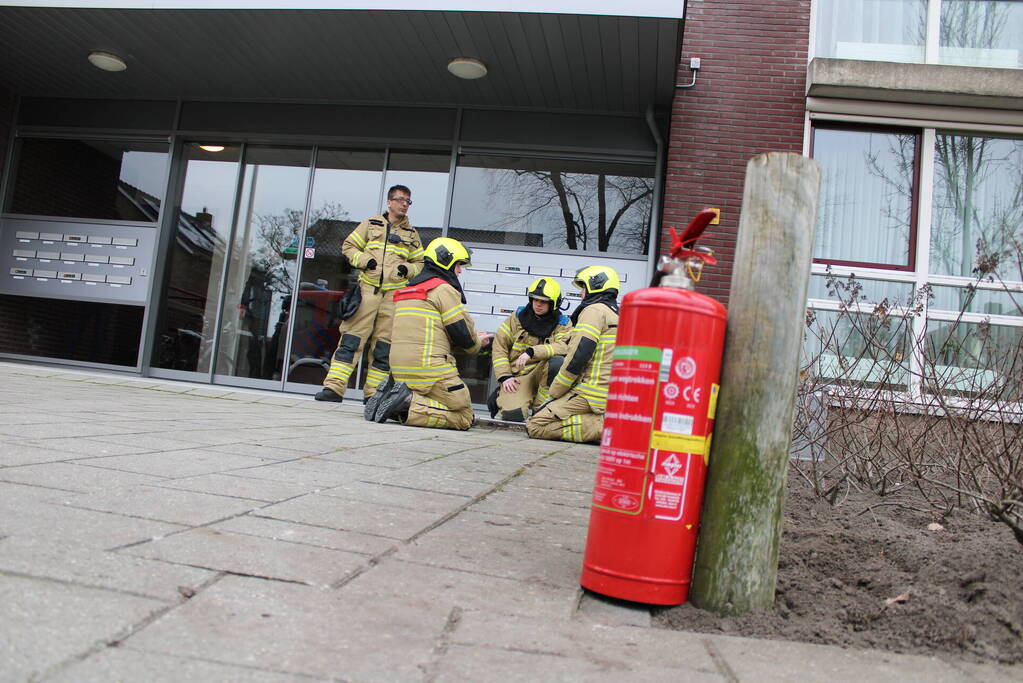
column 430, row 324
column 529, row 348
column 579, row 390
column 388, row 251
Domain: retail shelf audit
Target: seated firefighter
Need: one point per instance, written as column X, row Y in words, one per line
column 430, row 323
column 528, row 350
column 579, row 390
column 387, row 250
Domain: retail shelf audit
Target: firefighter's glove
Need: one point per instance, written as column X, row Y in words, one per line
column 371, row 264
column 403, row 271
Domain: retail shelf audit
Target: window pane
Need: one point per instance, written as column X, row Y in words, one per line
column 968, row 359
column 426, row 174
column 981, row 33
column 261, row 272
column 878, row 30
column 105, row 179
column 857, row 349
column 859, row 290
column 975, row 300
column 978, row 206
column 188, row 309
column 559, row 204
column 866, row 200
column 346, row 190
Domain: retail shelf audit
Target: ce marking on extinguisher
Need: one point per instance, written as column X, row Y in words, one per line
column 691, row 394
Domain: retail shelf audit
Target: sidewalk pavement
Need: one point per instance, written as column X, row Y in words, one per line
column 164, row 531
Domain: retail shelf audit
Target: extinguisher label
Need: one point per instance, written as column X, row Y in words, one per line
column 659, row 409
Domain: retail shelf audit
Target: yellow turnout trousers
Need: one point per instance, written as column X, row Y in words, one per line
column 445, row 404
column 569, row 418
column 372, row 324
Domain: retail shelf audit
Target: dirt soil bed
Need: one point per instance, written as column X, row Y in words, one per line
column 871, row 575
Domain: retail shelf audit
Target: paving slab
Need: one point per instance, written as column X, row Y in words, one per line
column 124, row 664
column 23, row 514
column 185, row 462
column 163, row 505
column 79, row 563
column 300, row 629
column 500, row 548
column 349, row 515
column 38, row 633
column 317, row 536
column 396, row 496
column 305, row 471
column 221, row 550
column 69, row 476
column 399, row 579
column 232, row 485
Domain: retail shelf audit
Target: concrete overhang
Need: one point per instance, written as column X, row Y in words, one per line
column 959, row 86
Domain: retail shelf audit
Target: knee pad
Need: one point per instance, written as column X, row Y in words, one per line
column 346, row 349
column 382, row 356
column 554, row 364
column 513, row 415
column 492, row 400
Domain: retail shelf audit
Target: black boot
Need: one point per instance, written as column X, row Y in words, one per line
column 373, row 402
column 396, row 402
column 326, row 394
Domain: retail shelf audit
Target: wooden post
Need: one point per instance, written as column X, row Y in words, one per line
column 737, row 559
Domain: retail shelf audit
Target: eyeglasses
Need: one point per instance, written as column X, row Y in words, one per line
column 407, row 201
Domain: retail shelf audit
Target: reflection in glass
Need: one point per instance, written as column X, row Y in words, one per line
column 865, row 209
column 970, row 359
column 558, row 204
column 978, row 206
column 426, row 174
column 859, row 290
column 261, row 271
column 346, row 190
column 877, row 30
column 976, row 300
column 188, row 310
column 858, row 349
column 982, row 33
column 104, row 179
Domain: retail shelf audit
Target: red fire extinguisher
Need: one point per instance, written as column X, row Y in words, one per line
column 657, row 433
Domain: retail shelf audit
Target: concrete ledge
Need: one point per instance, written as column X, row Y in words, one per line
column 963, row 86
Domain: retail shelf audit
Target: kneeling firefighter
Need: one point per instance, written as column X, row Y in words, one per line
column 579, row 390
column 430, row 323
column 529, row 348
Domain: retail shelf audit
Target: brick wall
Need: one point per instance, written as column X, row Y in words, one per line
column 748, row 99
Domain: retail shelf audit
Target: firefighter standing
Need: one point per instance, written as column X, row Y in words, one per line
column 528, row 349
column 579, row 391
column 430, row 323
column 388, row 251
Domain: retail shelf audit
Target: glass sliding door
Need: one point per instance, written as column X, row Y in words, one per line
column 347, row 188
column 191, row 296
column 263, row 265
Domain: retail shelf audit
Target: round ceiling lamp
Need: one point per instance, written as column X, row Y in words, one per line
column 212, row 148
column 467, row 68
column 107, row 61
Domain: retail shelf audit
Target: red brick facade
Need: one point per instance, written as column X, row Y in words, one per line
column 749, row 98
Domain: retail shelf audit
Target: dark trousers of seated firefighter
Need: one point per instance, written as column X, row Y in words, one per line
column 569, row 418
column 372, row 324
column 516, row 406
column 446, row 404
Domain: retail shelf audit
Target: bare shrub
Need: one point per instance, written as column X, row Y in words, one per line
column 890, row 402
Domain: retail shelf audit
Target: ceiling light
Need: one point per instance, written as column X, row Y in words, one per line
column 107, row 61
column 212, row 148
column 467, row 67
